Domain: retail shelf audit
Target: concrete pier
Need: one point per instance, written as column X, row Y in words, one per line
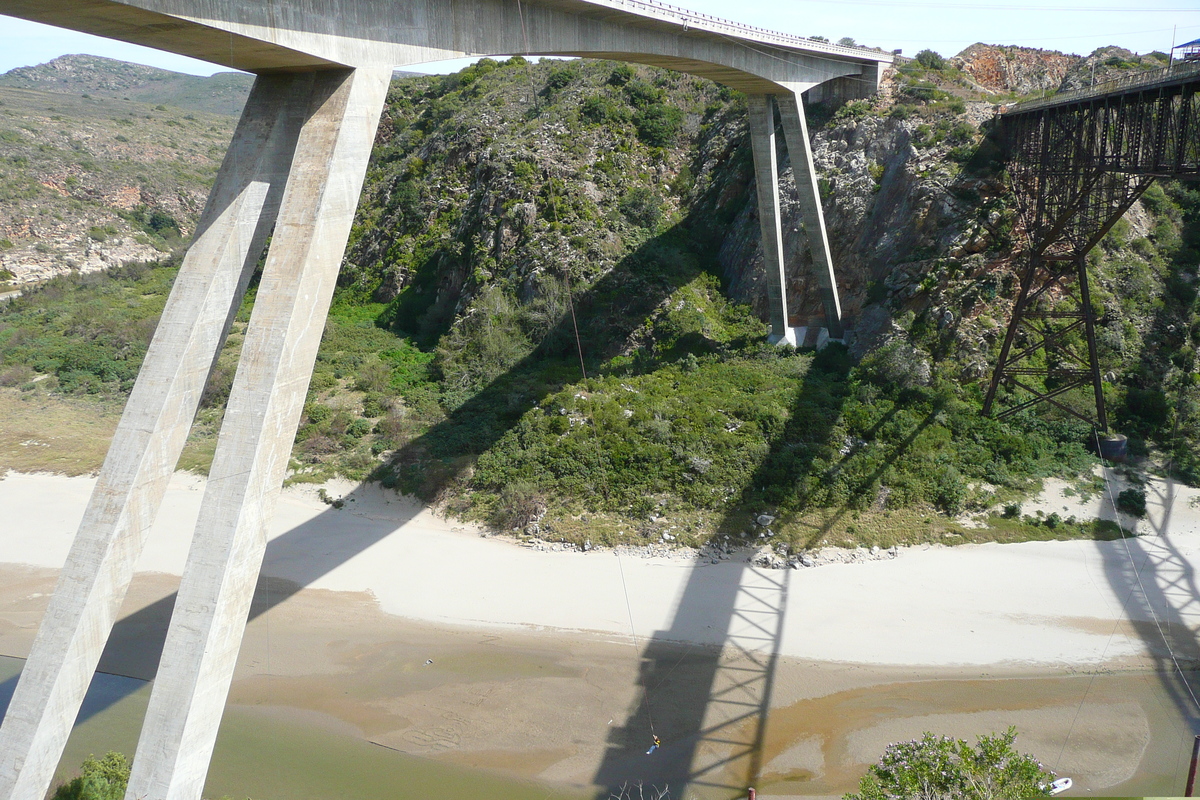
column 795, row 133
column 766, row 175
column 149, row 438
column 255, row 444
column 766, row 179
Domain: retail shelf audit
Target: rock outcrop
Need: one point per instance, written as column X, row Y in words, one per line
column 1014, row 69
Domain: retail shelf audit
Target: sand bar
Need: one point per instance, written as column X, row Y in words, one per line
column 383, row 621
column 1047, row 603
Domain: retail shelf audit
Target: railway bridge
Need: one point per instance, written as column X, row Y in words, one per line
column 294, row 170
column 1078, row 161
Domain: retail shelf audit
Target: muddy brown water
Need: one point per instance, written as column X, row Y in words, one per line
column 276, row 753
column 1114, row 732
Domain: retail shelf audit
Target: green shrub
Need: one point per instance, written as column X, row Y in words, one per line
column 100, row 779
column 952, row 105
column 942, row 767
column 854, row 110
column 923, row 91
column 601, row 109
column 621, row 74
column 560, row 77
column 520, row 503
column 658, row 125
column 931, row 59
column 643, row 94
column 317, row 413
column 898, row 365
column 1132, row 502
column 642, row 206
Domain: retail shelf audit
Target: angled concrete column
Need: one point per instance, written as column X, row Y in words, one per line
column 766, row 176
column 146, row 446
column 256, row 437
column 795, row 132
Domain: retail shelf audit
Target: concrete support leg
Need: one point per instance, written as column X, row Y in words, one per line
column 256, row 438
column 795, row 131
column 766, row 175
column 147, row 443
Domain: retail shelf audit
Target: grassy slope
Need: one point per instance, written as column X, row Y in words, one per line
column 450, row 368
column 95, row 77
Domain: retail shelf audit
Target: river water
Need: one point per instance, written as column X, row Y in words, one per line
column 275, row 754
column 1117, row 732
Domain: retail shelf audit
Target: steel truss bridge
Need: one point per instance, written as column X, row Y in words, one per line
column 1078, row 161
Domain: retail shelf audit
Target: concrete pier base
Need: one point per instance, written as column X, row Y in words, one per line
column 766, row 173
column 149, row 438
column 808, row 193
column 342, row 110
column 766, row 178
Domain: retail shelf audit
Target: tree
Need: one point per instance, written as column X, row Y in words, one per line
column 847, row 41
column 99, row 779
column 931, row 59
column 940, row 768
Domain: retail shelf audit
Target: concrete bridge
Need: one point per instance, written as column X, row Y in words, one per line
column 295, row 167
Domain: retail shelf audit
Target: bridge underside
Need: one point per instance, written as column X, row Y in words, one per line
column 295, row 167
column 323, row 34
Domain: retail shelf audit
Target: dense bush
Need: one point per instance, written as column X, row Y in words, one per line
column 99, row 779
column 1132, row 502
column 89, row 331
column 930, row 59
column 942, row 767
column 659, row 124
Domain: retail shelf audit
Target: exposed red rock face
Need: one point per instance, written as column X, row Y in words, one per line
column 1014, row 69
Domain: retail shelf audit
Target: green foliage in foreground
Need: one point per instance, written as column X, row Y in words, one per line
column 99, row 779
column 936, row 767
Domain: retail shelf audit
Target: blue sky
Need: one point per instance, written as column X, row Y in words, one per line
column 1072, row 26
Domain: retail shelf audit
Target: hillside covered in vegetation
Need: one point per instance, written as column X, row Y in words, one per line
column 104, row 163
column 551, row 315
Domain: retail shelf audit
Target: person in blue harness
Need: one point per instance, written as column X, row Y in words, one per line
column 654, row 746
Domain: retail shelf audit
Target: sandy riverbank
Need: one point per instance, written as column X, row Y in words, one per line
column 1046, row 603
column 534, row 671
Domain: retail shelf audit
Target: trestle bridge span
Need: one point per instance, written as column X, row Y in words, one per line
column 1078, row 161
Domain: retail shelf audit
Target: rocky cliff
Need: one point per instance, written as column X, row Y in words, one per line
column 1023, row 70
column 90, row 180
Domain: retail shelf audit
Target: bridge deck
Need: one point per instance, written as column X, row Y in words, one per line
column 687, row 19
column 245, row 35
column 1177, row 75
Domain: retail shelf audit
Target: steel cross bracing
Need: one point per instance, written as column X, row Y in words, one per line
column 1076, row 167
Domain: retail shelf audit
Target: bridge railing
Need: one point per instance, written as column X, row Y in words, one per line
column 688, row 18
column 1147, row 78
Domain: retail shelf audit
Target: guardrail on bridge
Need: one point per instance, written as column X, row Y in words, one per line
column 1139, row 80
